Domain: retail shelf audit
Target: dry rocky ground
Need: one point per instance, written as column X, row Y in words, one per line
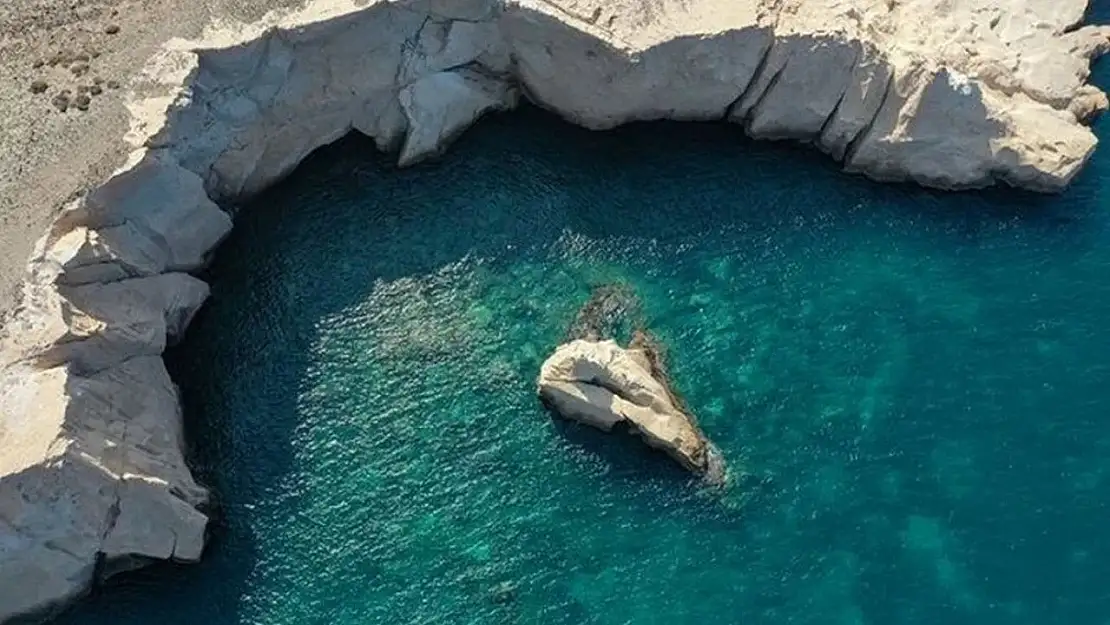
column 64, row 66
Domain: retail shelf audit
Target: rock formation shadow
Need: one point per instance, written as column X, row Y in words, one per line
column 626, row 457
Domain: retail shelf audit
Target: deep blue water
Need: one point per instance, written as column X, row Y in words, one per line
column 921, row 377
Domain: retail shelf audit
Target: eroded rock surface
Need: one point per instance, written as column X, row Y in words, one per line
column 949, row 93
column 92, row 474
column 601, row 384
column 592, row 380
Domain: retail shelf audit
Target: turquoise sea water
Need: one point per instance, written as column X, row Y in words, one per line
column 922, row 378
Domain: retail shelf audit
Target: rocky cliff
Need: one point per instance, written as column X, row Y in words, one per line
column 950, row 93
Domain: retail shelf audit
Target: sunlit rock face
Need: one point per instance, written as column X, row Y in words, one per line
column 948, row 94
column 591, row 379
column 601, row 384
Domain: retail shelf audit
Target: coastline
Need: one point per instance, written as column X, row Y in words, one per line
column 53, row 158
column 221, row 118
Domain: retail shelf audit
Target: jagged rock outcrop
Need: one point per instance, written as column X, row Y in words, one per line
column 949, row 93
column 601, row 384
column 440, row 106
column 592, row 380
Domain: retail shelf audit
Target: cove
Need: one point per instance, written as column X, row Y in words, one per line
column 919, row 375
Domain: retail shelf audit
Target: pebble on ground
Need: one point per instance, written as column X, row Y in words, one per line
column 61, row 102
column 39, row 86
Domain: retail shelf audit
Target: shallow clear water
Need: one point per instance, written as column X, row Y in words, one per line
column 922, row 377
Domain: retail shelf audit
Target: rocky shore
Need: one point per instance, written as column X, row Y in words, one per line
column 51, row 48
column 92, row 475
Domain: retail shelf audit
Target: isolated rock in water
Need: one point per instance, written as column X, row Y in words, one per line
column 601, row 384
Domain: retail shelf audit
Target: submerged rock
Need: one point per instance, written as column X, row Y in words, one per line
column 503, row 593
column 609, row 306
column 601, row 384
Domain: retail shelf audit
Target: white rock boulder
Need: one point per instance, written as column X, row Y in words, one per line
column 601, row 384
column 441, row 106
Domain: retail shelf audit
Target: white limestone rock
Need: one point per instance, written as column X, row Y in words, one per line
column 602, row 64
column 872, row 82
column 601, row 384
column 867, row 89
column 948, row 94
column 256, row 109
column 92, row 467
column 441, row 106
column 94, row 326
column 149, row 219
